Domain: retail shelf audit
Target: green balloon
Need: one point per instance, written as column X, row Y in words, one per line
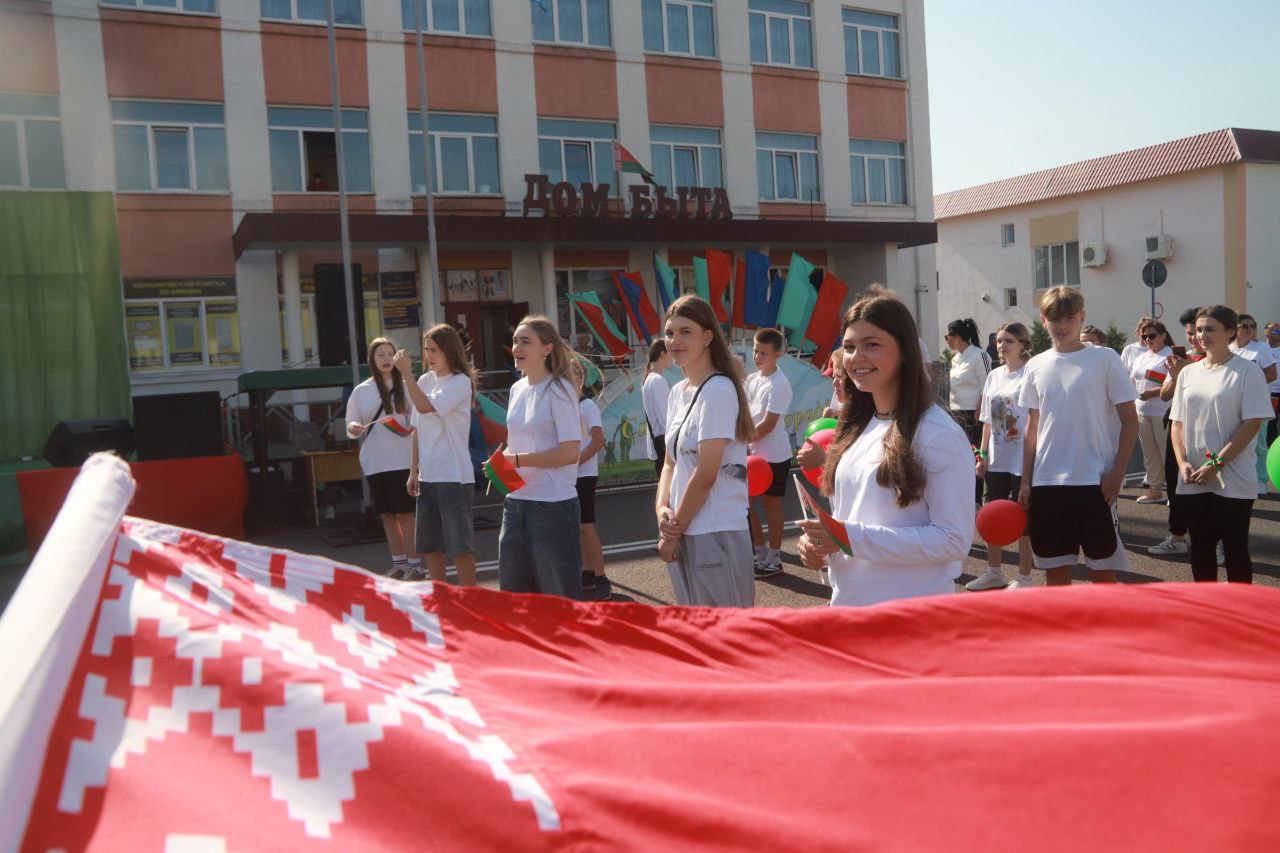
column 819, row 425
column 1273, row 462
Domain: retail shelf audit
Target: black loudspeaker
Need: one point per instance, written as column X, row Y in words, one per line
column 72, row 442
column 178, row 426
column 331, row 315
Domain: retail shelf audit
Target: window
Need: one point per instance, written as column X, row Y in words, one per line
column 781, row 32
column 571, row 21
column 686, row 28
column 871, row 44
column 464, row 154
column 1057, row 264
column 182, row 324
column 1010, row 297
column 685, row 157
column 461, row 17
column 304, row 153
column 1006, row 234
column 878, row 171
column 163, row 146
column 344, row 11
column 571, row 325
column 580, row 152
column 30, row 142
column 787, row 167
column 210, row 6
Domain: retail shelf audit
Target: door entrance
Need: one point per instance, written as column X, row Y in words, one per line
column 332, row 305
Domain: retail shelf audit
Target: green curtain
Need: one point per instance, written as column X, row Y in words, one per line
column 62, row 343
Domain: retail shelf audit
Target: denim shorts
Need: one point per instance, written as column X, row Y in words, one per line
column 443, row 522
column 539, row 549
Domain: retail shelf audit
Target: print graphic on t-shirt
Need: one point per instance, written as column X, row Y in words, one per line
column 734, row 471
column 1002, row 414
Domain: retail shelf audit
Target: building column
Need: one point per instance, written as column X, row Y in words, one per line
column 547, row 263
column 292, row 282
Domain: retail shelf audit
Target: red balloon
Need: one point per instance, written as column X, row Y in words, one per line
column 1001, row 522
column 823, row 438
column 813, row 475
column 759, row 475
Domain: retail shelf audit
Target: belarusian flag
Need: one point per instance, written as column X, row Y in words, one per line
column 1156, row 376
column 398, row 427
column 600, row 324
column 502, row 474
column 625, row 161
column 834, row 528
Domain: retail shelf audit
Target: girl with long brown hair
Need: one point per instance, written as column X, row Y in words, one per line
column 378, row 418
column 899, row 472
column 702, row 493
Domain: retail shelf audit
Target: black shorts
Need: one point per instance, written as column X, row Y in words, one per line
column 1001, row 486
column 390, row 493
column 1067, row 519
column 781, row 473
column 587, row 499
column 660, row 451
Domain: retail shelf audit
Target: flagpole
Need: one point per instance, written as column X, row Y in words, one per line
column 432, row 258
column 343, row 224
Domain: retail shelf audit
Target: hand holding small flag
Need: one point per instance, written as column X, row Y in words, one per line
column 502, row 475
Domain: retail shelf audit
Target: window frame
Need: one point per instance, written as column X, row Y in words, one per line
column 692, row 53
column 797, row 154
column 789, row 18
column 189, row 128
column 553, row 11
column 428, row 20
column 1070, row 249
column 436, row 161
column 301, row 131
column 295, row 19
column 146, row 6
column 1010, row 298
column 1008, row 235
column 203, row 321
column 881, row 33
column 887, row 160
column 24, row 165
column 699, row 148
column 615, row 182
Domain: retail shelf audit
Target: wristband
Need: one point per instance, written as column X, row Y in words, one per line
column 979, row 454
column 1213, row 460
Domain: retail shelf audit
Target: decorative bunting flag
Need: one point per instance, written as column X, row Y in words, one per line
column 797, row 294
column 492, row 410
column 825, row 320
column 739, row 295
column 631, row 290
column 600, row 324
column 502, row 474
column 591, row 373
column 395, row 425
column 795, row 334
column 756, row 301
column 719, row 270
column 624, row 161
column 1156, row 376
column 666, row 280
column 776, row 289
column 834, row 529
column 701, row 285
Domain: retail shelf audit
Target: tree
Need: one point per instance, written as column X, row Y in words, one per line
column 1040, row 340
column 1116, row 339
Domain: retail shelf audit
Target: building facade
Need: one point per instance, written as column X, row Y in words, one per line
column 212, row 121
column 1207, row 207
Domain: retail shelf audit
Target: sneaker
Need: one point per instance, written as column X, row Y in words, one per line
column 1021, row 582
column 990, row 579
column 768, row 568
column 414, row 573
column 1167, row 546
column 1149, row 499
column 398, row 571
column 602, row 590
column 1222, row 558
column 588, row 583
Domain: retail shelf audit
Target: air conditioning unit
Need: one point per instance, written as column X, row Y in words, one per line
column 1093, row 254
column 1159, row 247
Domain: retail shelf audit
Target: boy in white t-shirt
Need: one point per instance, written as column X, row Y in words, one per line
column 1248, row 347
column 1081, row 428
column 769, row 395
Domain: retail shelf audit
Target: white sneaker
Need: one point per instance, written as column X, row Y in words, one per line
column 1169, row 545
column 990, row 579
column 1021, row 582
column 1222, row 558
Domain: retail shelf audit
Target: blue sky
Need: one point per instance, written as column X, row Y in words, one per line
column 1021, row 85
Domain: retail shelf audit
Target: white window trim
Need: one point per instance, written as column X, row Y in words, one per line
column 690, row 54
column 866, row 179
column 428, row 24
column 1049, row 247
column 471, row 162
column 189, row 127
column 880, row 33
column 791, row 39
column 1012, row 232
column 697, row 148
column 614, row 191
column 168, row 369
column 302, row 157
column 586, row 43
column 24, row 168
column 794, row 152
column 313, row 22
column 141, row 6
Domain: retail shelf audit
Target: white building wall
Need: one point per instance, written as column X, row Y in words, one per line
column 388, row 116
column 517, row 102
column 1262, row 246
column 245, row 107
column 89, row 157
column 739, row 135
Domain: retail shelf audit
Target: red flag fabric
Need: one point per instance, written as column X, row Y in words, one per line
column 1156, row 376
column 600, row 324
column 630, row 286
column 223, row 695
column 739, row 295
column 825, row 320
column 502, row 475
column 719, row 269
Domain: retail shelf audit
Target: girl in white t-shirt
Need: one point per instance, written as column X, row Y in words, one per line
column 441, row 476
column 899, row 471
column 702, row 493
column 969, row 368
column 654, row 396
column 538, row 545
column 378, row 418
column 595, row 584
column 1148, row 371
column 999, row 465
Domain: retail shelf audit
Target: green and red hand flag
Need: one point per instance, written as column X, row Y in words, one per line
column 502, row 474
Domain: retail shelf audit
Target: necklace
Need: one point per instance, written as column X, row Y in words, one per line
column 886, row 415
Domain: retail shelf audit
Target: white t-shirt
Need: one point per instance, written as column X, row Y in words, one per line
column 1008, row 419
column 443, row 453
column 1138, row 367
column 1212, row 402
column 590, row 418
column 1275, row 386
column 654, row 397
column 380, row 448
column 1079, row 432
column 714, row 415
column 1255, row 351
column 1129, row 353
column 968, row 372
column 541, row 417
column 924, row 351
column 903, row 552
column 770, row 394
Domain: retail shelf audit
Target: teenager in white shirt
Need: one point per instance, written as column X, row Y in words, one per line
column 969, row 368
column 440, row 476
column 899, row 472
column 596, row 586
column 1258, row 352
column 999, row 465
column 769, row 396
column 702, row 494
column 1219, row 404
column 1081, row 428
column 653, row 396
column 539, row 548
column 1273, row 341
column 1148, row 369
column 1132, row 350
column 378, row 418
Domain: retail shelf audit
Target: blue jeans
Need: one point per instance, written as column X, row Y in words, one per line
column 538, row 548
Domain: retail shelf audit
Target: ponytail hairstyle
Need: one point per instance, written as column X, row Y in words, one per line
column 1019, row 331
column 699, row 311
column 446, row 337
column 561, row 358
column 1224, row 315
column 656, row 351
column 965, row 329
column 899, row 468
column 396, row 402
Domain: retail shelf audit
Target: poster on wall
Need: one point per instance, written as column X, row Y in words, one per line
column 222, row 331
column 460, row 286
column 400, row 306
column 142, row 323
column 495, row 285
column 185, row 341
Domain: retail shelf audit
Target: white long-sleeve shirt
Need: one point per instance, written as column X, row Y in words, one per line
column 654, row 396
column 903, row 552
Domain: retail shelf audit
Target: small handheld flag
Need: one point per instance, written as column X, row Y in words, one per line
column 396, row 426
column 834, row 528
column 502, row 474
column 1156, row 376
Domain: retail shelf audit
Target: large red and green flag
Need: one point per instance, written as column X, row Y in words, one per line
column 601, row 324
column 825, row 319
column 666, row 280
column 631, row 290
column 834, row 529
column 502, row 474
column 625, row 161
column 719, row 273
column 797, row 295
column 311, row 695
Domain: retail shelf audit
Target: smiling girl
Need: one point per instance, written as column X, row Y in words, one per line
column 898, row 472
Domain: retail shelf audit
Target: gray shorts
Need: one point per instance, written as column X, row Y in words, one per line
column 714, row 570
column 443, row 522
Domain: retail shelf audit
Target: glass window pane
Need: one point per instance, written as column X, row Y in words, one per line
column 850, row 50
column 1058, row 264
column 454, row 168
column 686, row 167
column 44, row 155
column 660, row 155
column 10, row 165
column 173, row 169
column 1042, row 267
column 355, row 150
column 785, row 170
column 484, row 160
column 870, row 19
column 276, row 9
column 857, row 169
column 1073, row 263
column 133, row 166
column 577, row 163
column 348, row 12
column 598, row 22
column 779, row 41
column 870, row 52
column 444, row 16
column 651, row 16
column 764, row 174
column 759, row 52
column 476, row 16
column 677, row 28
column 809, row 189
column 433, row 144
column 549, row 159
column 161, row 4
column 417, row 164
column 286, row 161
column 803, row 42
column 200, row 5
column 711, row 167
column 898, row 181
column 572, row 129
column 569, row 18
column 877, row 190
column 315, row 10
column 211, row 158
column 704, row 31
column 543, row 26
column 890, row 43
column 604, row 173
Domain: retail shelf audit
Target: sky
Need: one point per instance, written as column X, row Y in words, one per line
column 1021, row 85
